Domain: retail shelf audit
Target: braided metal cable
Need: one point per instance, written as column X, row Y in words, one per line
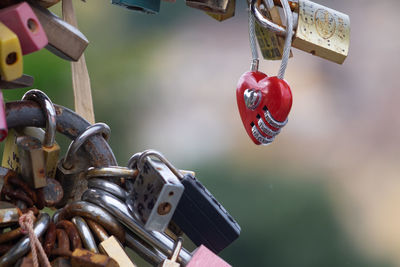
column 253, row 42
column 288, row 38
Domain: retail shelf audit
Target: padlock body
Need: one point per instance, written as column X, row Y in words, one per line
column 155, row 196
column 73, row 180
column 202, row 256
column 10, row 158
column 23, row 22
column 11, row 65
column 33, row 169
column 9, row 214
column 322, row 31
column 203, row 219
column 51, row 154
column 230, row 12
column 213, row 6
column 65, row 40
column 146, row 6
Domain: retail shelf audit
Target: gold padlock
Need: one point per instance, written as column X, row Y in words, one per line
column 213, row 6
column 230, row 12
column 320, row 31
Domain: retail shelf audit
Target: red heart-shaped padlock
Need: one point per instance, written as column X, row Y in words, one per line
column 264, row 104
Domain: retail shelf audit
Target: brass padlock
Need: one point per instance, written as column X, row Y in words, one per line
column 50, row 148
column 230, row 12
column 320, row 31
column 32, row 161
column 213, row 6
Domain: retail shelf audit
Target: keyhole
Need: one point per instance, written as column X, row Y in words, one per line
column 11, row 58
column 32, row 25
column 164, row 208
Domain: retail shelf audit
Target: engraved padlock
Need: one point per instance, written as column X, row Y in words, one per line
column 145, row 6
column 50, row 148
column 71, row 168
column 319, row 30
column 156, row 191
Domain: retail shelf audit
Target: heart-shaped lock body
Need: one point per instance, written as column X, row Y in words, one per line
column 264, row 104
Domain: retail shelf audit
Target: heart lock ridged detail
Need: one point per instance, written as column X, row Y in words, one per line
column 264, row 104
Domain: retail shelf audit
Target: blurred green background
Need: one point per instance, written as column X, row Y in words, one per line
column 323, row 194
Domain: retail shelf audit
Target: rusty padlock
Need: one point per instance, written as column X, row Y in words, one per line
column 70, row 169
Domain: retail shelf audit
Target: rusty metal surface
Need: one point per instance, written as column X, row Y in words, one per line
column 52, row 192
column 91, row 211
column 29, row 113
column 98, row 230
column 86, row 258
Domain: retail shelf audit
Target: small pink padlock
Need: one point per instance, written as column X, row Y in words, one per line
column 3, row 121
column 23, row 22
column 202, row 257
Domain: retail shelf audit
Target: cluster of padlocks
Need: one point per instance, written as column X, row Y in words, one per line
column 99, row 208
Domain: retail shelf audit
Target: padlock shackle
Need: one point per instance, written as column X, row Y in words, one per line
column 85, row 234
column 111, row 171
column 109, row 187
column 132, row 162
column 70, row 124
column 50, row 113
column 264, row 22
column 158, row 155
column 97, row 128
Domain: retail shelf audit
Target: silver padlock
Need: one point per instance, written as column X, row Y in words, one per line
column 71, row 168
column 319, row 30
column 155, row 239
column 156, row 191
